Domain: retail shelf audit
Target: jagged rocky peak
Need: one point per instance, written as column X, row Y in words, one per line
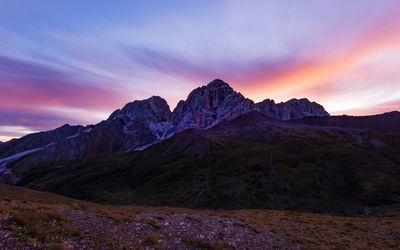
column 209, row 96
column 217, row 101
column 292, row 109
column 217, row 83
column 208, row 105
column 142, row 123
column 144, row 120
column 300, row 108
column 154, row 108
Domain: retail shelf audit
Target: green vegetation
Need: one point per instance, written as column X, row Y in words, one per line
column 38, row 225
column 259, row 164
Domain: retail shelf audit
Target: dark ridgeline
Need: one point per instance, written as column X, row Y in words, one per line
column 217, row 149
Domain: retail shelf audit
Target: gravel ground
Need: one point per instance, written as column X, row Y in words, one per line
column 71, row 224
column 148, row 230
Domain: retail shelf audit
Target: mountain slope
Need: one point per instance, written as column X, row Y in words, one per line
column 38, row 140
column 39, row 220
column 387, row 122
column 252, row 161
column 138, row 125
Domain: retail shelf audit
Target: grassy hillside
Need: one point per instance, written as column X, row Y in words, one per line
column 39, row 220
column 250, row 162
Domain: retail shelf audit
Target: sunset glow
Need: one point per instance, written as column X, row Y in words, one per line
column 75, row 62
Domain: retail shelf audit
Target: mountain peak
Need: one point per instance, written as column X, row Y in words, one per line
column 217, row 83
column 144, row 122
column 155, row 98
column 153, row 106
column 298, row 100
column 207, row 106
column 292, row 109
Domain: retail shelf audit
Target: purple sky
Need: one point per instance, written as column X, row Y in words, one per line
column 77, row 61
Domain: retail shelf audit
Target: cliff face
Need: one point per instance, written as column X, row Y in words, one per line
column 208, row 105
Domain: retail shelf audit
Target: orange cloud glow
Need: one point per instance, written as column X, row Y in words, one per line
column 298, row 79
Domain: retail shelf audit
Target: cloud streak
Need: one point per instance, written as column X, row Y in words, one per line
column 29, row 84
column 60, row 65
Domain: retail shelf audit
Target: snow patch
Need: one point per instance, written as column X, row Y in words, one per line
column 146, row 146
column 74, row 135
column 18, row 155
column 6, row 160
column 3, row 162
column 88, row 130
column 158, row 129
column 126, row 130
column 79, row 132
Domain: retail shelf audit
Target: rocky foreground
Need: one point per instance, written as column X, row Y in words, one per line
column 36, row 220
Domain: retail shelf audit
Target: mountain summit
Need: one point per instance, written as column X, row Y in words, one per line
column 217, row 83
column 153, row 114
column 208, row 105
column 140, row 124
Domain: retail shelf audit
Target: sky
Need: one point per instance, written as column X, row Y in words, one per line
column 76, row 61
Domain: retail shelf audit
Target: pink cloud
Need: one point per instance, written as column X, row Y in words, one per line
column 319, row 75
column 27, row 84
column 377, row 109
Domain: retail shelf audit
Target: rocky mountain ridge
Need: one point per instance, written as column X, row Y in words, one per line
column 208, row 105
column 252, row 161
column 140, row 124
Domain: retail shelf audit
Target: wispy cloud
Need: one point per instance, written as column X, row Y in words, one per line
column 34, row 96
column 76, row 67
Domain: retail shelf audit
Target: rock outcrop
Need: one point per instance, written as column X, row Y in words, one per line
column 207, row 106
column 291, row 110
